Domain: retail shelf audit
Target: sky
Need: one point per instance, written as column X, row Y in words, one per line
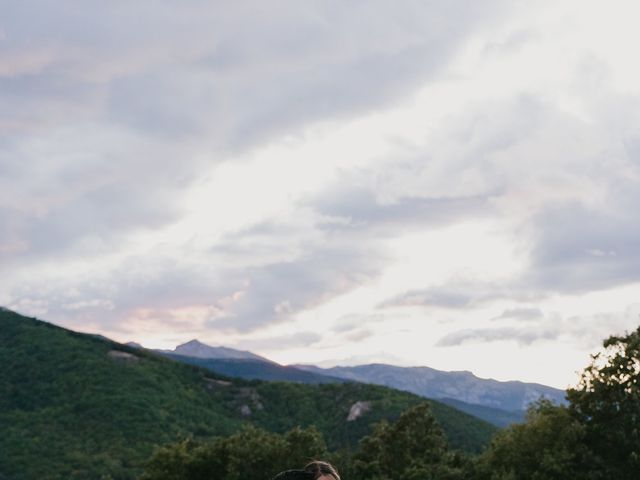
column 452, row 184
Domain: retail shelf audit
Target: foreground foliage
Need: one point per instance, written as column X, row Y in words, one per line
column 597, row 437
column 251, row 454
column 549, row 445
column 412, row 448
column 607, row 403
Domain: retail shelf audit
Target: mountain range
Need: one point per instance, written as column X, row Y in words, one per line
column 78, row 406
column 462, row 386
column 499, row 403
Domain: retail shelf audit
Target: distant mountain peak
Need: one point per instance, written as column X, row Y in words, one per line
column 195, row 348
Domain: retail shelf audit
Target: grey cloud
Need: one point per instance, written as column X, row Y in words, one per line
column 358, row 335
column 97, row 215
column 109, row 121
column 362, row 210
column 268, row 242
column 586, row 330
column 352, row 322
column 591, row 330
column 149, row 288
column 234, row 285
column 67, row 194
column 580, row 248
column 275, row 292
column 104, row 115
column 483, row 335
column 241, row 69
column 461, row 294
column 524, row 314
column 307, row 63
column 575, row 249
column 434, row 297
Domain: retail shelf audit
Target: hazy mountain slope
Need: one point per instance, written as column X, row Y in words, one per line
column 495, row 416
column 431, row 383
column 75, row 406
column 255, row 369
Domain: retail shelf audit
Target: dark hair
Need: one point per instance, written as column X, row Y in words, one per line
column 319, row 468
column 295, row 475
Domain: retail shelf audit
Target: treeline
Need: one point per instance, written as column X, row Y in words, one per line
column 595, row 437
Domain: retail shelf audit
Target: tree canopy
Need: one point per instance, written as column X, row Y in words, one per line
column 596, row 437
column 607, row 402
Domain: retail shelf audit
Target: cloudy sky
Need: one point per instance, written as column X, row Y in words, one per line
column 453, row 184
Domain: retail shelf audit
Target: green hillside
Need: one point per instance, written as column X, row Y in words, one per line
column 79, row 406
column 495, row 416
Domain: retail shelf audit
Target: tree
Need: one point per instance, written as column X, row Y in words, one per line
column 548, row 446
column 412, row 448
column 607, row 402
column 250, row 454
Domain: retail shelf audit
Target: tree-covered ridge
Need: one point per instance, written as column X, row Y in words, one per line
column 595, row 437
column 267, row 370
column 80, row 406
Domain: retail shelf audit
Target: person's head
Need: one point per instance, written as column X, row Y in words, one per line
column 322, row 470
column 315, row 470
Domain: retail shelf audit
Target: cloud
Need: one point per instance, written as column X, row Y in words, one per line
column 361, row 208
column 581, row 248
column 524, row 314
column 461, row 294
column 349, row 323
column 109, row 122
column 434, row 297
column 276, row 291
column 588, row 331
column 483, row 335
column 281, row 342
column 206, row 290
column 358, row 335
column 236, row 72
column 135, row 293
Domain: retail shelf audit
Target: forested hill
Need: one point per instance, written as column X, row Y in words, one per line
column 77, row 406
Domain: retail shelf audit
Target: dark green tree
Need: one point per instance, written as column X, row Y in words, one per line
column 412, row 448
column 597, row 437
column 548, row 446
column 251, row 454
column 607, row 402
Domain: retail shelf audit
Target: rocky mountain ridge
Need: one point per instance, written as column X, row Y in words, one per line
column 512, row 396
